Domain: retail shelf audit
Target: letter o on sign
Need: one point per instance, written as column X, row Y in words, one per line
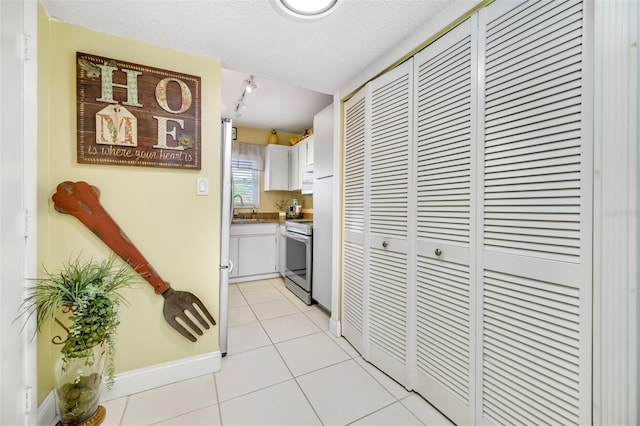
column 161, row 95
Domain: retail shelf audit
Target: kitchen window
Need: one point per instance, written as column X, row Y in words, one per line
column 246, row 183
column 247, row 161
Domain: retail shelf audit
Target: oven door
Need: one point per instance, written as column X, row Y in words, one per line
column 298, row 260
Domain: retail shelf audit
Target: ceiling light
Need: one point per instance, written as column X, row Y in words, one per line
column 305, row 9
column 250, row 85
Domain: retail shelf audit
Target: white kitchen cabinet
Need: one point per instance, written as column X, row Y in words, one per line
column 295, row 173
column 321, row 290
column 284, row 165
column 233, row 256
column 469, row 273
column 310, row 146
column 257, row 255
column 276, row 168
column 323, row 202
column 255, row 248
column 282, row 249
column 323, row 141
column 305, row 153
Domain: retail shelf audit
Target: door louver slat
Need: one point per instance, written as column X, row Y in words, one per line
column 528, row 165
column 389, row 177
column 353, row 281
column 442, row 162
column 354, row 168
column 443, row 323
column 521, row 331
column 388, row 300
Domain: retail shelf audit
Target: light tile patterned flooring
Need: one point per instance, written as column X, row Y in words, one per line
column 283, row 367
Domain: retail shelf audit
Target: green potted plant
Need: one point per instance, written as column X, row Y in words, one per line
column 88, row 293
column 281, row 206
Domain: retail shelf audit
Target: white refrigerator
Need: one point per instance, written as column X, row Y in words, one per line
column 321, row 289
column 226, row 266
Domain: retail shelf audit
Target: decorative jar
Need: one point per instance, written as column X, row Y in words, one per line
column 78, row 382
column 273, row 137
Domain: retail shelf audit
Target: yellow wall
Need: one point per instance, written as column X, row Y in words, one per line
column 269, row 198
column 177, row 231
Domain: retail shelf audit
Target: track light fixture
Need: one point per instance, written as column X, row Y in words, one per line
column 249, row 86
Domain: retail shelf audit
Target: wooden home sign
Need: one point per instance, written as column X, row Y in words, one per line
column 134, row 115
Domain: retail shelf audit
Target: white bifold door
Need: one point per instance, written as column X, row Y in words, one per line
column 466, row 269
column 355, row 264
column 534, row 256
column 446, row 87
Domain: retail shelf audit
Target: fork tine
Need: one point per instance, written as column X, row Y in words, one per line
column 176, row 306
column 193, row 311
column 171, row 320
column 187, row 320
column 204, row 310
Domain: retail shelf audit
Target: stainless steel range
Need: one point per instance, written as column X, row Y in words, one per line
column 298, row 265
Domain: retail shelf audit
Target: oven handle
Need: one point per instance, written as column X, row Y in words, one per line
column 302, row 238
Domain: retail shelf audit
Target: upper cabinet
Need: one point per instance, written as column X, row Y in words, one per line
column 310, row 146
column 294, row 169
column 276, row 168
column 322, row 152
column 284, row 165
column 305, row 153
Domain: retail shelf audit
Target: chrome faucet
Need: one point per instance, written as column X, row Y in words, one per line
column 241, row 200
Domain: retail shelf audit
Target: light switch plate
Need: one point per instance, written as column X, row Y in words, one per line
column 202, row 186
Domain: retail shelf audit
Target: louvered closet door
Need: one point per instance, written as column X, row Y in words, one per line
column 354, row 300
column 389, row 176
column 535, row 270
column 445, row 218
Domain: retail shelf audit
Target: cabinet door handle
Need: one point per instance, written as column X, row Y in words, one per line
column 438, row 252
column 385, row 244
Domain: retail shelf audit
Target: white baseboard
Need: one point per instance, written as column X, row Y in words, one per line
column 143, row 379
column 254, row 278
column 47, row 410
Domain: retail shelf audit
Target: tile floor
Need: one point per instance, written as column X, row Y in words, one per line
column 283, row 367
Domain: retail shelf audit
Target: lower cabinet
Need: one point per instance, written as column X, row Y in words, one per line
column 253, row 250
column 233, row 256
column 282, row 249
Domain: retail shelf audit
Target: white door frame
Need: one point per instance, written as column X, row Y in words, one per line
column 616, row 213
column 18, row 166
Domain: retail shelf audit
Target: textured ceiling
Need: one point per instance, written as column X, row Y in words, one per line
column 250, row 37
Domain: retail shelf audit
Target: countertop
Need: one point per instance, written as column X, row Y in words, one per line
column 264, row 218
column 249, row 221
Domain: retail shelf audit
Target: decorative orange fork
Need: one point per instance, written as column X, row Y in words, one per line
column 82, row 201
